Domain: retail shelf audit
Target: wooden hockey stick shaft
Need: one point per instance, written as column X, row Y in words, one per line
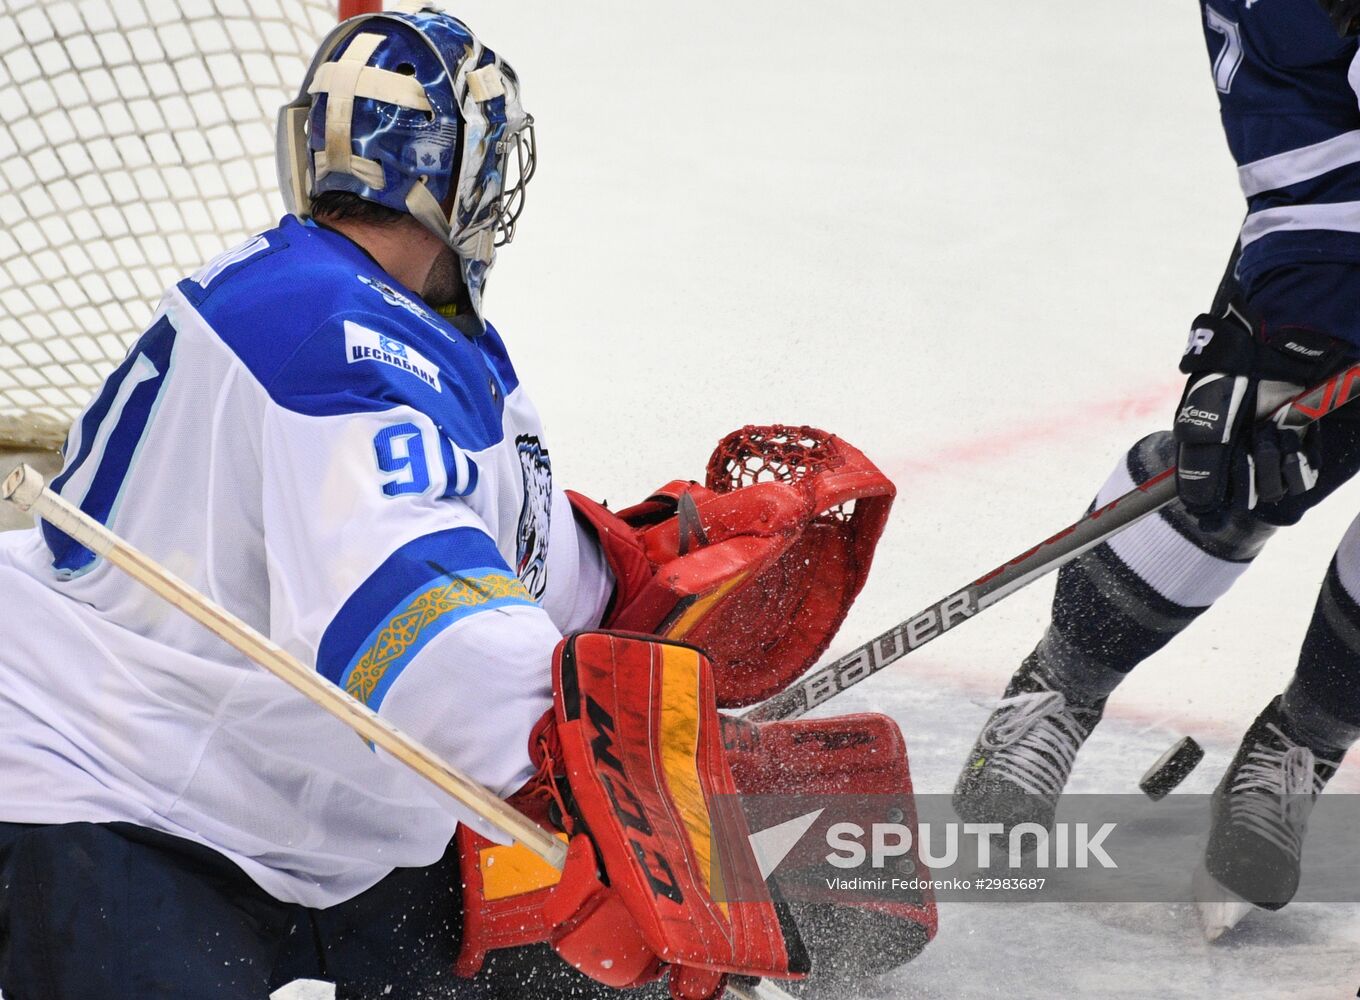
column 25, row 488
column 1095, row 527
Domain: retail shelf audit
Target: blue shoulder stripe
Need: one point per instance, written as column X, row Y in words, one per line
column 327, row 332
column 108, row 438
column 420, row 590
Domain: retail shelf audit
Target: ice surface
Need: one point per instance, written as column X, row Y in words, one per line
column 968, row 237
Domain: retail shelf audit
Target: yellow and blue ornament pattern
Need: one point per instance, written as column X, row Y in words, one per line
column 419, row 619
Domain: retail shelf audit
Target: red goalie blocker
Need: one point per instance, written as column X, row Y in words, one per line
column 759, row 565
column 636, row 759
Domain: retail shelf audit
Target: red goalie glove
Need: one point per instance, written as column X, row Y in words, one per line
column 759, row 565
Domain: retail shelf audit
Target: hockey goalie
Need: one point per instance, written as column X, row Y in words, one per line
column 321, row 431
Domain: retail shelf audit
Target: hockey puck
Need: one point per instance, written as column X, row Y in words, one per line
column 1171, row 768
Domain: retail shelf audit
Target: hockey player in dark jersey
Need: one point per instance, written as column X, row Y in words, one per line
column 1286, row 315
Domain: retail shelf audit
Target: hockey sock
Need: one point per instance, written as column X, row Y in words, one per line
column 1323, row 699
column 1127, row 598
column 1314, row 724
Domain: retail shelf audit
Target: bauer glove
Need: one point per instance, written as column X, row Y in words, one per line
column 1227, row 460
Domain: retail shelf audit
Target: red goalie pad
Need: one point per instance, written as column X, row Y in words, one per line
column 863, row 758
column 644, row 760
column 760, row 565
column 633, row 760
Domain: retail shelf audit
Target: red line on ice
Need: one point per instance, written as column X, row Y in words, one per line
column 1154, row 400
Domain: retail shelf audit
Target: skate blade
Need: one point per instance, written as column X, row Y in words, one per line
column 1219, row 909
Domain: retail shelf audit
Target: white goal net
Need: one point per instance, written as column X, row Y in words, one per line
column 136, row 142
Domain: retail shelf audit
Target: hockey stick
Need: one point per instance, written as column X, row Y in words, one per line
column 26, row 489
column 1098, row 525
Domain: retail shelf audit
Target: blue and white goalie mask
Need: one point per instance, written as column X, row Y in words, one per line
column 409, row 110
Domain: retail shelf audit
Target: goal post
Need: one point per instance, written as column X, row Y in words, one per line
column 353, row 8
column 136, row 142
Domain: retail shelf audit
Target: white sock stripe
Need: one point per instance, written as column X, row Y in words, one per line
column 1119, row 483
column 1163, row 558
column 1172, row 565
column 1348, row 561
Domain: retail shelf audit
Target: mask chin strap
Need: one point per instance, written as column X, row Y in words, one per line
column 425, row 208
column 474, row 250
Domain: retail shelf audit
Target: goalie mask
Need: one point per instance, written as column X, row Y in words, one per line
column 409, row 110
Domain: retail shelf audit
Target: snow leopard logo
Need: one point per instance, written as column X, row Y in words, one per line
column 534, row 517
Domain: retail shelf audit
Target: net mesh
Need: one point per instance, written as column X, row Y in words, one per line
column 136, row 142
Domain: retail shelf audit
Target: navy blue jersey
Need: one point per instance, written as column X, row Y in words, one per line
column 1292, row 120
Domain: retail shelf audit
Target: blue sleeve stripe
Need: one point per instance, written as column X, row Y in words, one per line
column 493, row 349
column 111, row 432
column 425, row 613
column 418, row 591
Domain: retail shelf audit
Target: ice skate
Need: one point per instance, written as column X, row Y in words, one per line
column 1024, row 755
column 1260, row 817
column 1219, row 909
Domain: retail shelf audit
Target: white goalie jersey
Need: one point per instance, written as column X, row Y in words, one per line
column 312, row 448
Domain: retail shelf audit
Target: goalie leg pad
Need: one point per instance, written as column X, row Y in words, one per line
column 587, row 924
column 641, row 780
column 643, row 755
